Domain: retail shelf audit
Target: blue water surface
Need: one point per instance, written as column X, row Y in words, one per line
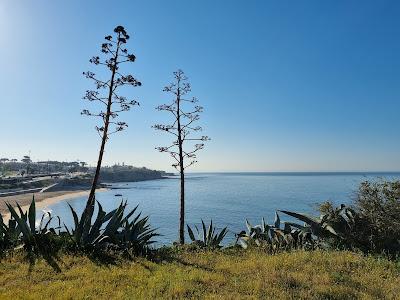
column 226, row 198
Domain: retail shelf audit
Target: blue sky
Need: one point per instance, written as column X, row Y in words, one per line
column 286, row 85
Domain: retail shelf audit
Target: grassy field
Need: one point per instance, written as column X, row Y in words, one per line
column 224, row 274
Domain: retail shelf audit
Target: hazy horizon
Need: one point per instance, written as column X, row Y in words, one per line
column 286, row 86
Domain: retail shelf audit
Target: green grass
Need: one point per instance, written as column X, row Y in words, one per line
column 221, row 274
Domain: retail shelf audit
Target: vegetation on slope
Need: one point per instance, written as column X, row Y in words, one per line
column 111, row 255
column 129, row 174
column 208, row 274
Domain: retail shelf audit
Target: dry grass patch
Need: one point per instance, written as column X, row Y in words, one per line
column 221, row 274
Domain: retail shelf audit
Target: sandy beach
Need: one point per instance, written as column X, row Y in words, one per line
column 42, row 199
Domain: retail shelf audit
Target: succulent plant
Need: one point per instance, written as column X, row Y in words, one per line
column 112, row 229
column 36, row 240
column 273, row 236
column 9, row 234
column 208, row 238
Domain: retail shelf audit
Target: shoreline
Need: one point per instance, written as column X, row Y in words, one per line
column 46, row 200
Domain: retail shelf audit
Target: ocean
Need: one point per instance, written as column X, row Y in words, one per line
column 226, row 198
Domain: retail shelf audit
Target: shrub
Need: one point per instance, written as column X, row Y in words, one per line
column 379, row 205
column 371, row 224
column 209, row 238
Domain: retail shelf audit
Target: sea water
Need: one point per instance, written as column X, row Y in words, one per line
column 226, row 198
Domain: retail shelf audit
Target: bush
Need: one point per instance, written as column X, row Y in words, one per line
column 350, row 230
column 371, row 224
column 378, row 203
column 374, row 224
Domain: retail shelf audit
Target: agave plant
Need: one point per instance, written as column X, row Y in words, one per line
column 273, row 236
column 209, row 238
column 87, row 235
column 111, row 229
column 319, row 226
column 9, row 234
column 339, row 227
column 36, row 240
column 136, row 236
column 336, row 223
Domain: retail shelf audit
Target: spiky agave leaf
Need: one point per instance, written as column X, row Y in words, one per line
column 264, row 225
column 32, row 215
column 136, row 235
column 248, row 225
column 303, row 217
column 115, row 222
column 204, row 232
column 20, row 221
column 95, row 229
column 292, row 224
column 191, row 234
column 218, row 238
column 209, row 238
column 75, row 217
column 45, row 228
column 277, row 222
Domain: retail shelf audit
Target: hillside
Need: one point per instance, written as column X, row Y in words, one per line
column 129, row 174
column 221, row 274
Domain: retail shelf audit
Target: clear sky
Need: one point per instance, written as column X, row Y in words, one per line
column 286, row 85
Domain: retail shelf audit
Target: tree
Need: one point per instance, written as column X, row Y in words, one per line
column 114, row 53
column 3, row 167
column 182, row 129
column 27, row 160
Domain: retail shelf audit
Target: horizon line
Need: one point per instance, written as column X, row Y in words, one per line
column 270, row 172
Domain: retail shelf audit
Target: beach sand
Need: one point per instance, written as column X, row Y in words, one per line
column 41, row 199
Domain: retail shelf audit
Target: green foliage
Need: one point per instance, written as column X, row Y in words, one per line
column 378, row 204
column 88, row 236
column 273, row 237
column 319, row 226
column 112, row 230
column 208, row 238
column 109, row 232
column 335, row 228
column 9, row 233
column 128, row 174
column 136, row 236
column 38, row 241
column 372, row 224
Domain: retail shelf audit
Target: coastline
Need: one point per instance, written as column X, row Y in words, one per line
column 47, row 198
column 41, row 199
